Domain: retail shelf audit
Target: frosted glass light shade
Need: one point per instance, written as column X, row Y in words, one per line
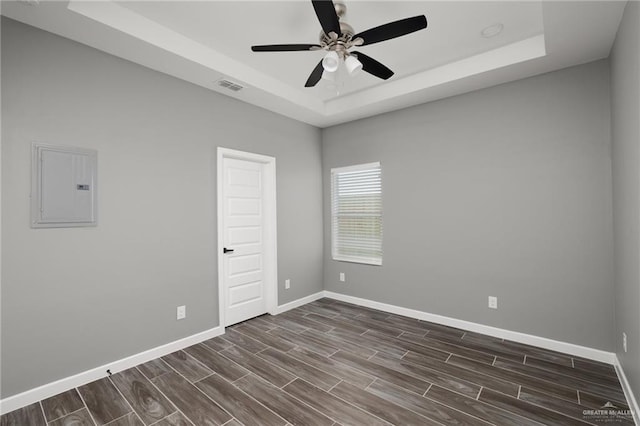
column 353, row 65
column 331, row 61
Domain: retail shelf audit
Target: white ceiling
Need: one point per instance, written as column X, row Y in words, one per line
column 204, row 41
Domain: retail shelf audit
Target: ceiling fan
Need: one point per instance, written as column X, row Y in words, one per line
column 337, row 37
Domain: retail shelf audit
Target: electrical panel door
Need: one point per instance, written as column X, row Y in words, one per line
column 64, row 187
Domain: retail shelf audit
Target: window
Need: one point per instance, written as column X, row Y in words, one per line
column 356, row 214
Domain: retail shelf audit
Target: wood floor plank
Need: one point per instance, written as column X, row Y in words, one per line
column 517, row 378
column 442, row 330
column 407, row 345
column 504, row 386
column 355, row 365
column 309, row 341
column 284, row 322
column 271, row 373
column 570, row 382
column 300, row 369
column 598, row 401
column 331, row 340
column 176, row 419
column 370, row 324
column 143, row 397
column 350, row 308
column 217, row 344
column 487, row 346
column 266, row 338
column 338, row 323
column 482, row 410
column 243, row 341
column 261, row 323
column 379, row 407
column 216, row 362
column 473, row 335
column 429, row 375
column 195, row 405
column 80, row 417
column 367, row 341
column 103, row 401
column 30, row 415
column 604, row 380
column 526, row 409
column 299, row 318
column 570, row 409
column 338, row 369
column 187, row 366
column 331, row 406
column 600, row 368
column 540, row 353
column 62, row 404
column 390, row 375
column 325, row 311
column 154, row 368
column 127, row 420
column 331, row 306
column 321, row 309
column 282, row 403
column 244, row 408
column 428, row 408
column 448, row 347
column 406, row 327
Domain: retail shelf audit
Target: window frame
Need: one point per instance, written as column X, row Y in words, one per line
column 366, row 260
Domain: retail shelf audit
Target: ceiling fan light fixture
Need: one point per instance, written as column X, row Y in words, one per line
column 331, row 61
column 353, row 65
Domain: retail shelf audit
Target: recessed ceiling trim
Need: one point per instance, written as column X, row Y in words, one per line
column 531, row 48
column 188, row 41
column 115, row 16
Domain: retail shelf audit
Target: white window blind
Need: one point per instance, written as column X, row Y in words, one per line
column 356, row 214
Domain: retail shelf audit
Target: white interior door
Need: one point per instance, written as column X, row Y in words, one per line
column 245, row 290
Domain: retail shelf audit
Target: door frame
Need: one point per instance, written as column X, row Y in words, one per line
column 270, row 257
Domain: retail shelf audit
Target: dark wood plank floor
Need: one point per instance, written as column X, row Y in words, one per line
column 333, row 363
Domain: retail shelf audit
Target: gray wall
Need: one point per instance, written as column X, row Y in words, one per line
column 625, row 132
column 74, row 299
column 504, row 192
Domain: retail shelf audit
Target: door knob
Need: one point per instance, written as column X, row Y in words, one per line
column 226, row 250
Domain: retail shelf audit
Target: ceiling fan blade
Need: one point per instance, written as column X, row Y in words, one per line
column 392, row 30
column 373, row 67
column 284, row 47
column 315, row 76
column 326, row 12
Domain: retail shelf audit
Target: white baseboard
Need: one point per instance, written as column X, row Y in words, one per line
column 297, row 303
column 542, row 342
column 50, row 389
column 628, row 393
column 62, row 385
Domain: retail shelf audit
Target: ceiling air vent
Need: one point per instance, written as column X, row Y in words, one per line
column 230, row 85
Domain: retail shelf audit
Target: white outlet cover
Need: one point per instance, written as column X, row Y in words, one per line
column 181, row 312
column 624, row 341
column 342, row 277
column 287, row 284
column 493, row 302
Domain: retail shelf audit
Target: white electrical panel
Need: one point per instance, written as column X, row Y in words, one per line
column 63, row 189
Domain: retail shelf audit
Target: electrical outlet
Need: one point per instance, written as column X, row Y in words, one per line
column 624, row 341
column 342, row 277
column 181, row 312
column 493, row 302
column 287, row 284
